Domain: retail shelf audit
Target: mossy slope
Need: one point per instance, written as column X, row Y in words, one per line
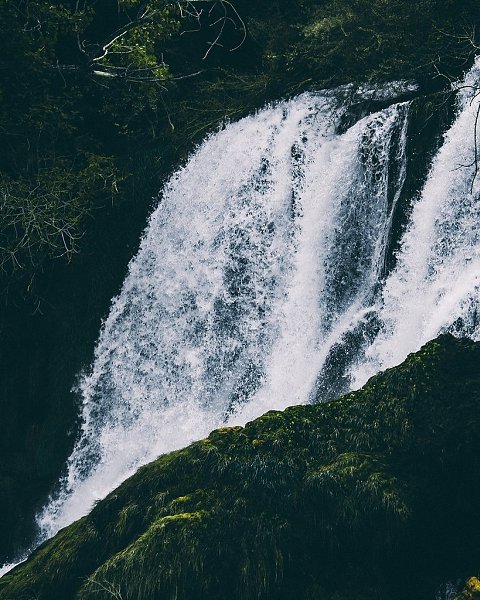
column 375, row 495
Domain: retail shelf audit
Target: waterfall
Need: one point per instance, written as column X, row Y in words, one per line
column 250, row 269
column 435, row 287
column 261, row 282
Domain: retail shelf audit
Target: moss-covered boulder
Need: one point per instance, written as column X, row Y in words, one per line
column 471, row 591
column 374, row 495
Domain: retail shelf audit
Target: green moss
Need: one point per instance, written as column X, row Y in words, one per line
column 357, row 498
column 471, row 590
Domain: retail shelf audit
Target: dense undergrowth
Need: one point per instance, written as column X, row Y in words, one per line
column 88, row 87
column 374, row 495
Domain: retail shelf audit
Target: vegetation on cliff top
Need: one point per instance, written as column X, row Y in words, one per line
column 88, row 87
column 374, row 495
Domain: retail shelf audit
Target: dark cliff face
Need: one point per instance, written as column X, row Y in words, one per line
column 51, row 310
column 374, row 495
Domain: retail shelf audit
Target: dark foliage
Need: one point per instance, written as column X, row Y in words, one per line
column 87, row 87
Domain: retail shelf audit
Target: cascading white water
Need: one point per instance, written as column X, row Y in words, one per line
column 265, row 255
column 251, row 268
column 435, row 286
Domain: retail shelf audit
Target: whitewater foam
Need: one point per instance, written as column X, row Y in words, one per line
column 249, row 270
column 435, row 285
column 266, row 257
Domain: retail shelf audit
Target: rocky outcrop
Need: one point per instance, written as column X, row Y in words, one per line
column 374, row 495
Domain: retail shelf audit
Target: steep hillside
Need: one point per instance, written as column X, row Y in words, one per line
column 374, row 495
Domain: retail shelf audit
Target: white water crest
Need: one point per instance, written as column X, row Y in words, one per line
column 435, row 287
column 251, row 268
column 9, row 566
column 262, row 282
